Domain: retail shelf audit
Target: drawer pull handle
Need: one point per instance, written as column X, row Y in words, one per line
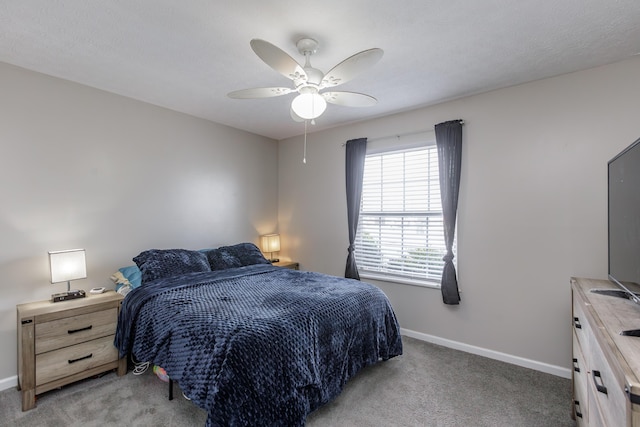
column 576, row 323
column 600, row 387
column 575, row 365
column 73, row 331
column 88, row 356
column 576, row 404
column 634, row 398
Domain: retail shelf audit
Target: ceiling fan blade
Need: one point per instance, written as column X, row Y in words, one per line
column 278, row 59
column 351, row 67
column 259, row 92
column 350, row 99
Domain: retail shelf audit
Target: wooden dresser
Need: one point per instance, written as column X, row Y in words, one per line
column 63, row 342
column 606, row 364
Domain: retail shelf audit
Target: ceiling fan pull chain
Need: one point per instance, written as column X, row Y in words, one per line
column 304, row 153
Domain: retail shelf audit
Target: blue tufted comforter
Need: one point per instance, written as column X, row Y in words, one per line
column 258, row 345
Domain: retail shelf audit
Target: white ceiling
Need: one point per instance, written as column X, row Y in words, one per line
column 187, row 55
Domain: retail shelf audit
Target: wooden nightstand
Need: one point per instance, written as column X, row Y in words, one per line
column 63, row 342
column 288, row 264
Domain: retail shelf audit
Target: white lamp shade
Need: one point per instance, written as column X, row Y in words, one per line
column 67, row 265
column 271, row 243
column 308, row 105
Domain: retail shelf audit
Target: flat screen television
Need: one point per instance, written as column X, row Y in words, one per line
column 624, row 220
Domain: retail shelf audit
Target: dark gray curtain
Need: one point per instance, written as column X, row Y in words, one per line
column 449, row 143
column 356, row 152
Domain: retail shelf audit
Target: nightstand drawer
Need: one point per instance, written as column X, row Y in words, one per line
column 70, row 360
column 74, row 330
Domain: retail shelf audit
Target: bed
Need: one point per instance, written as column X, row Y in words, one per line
column 251, row 343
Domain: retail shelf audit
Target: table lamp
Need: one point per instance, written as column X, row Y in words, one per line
column 66, row 266
column 271, row 244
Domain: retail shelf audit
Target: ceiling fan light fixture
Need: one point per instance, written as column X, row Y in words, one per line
column 309, row 105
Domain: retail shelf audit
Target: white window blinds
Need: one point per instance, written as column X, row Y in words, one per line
column 400, row 232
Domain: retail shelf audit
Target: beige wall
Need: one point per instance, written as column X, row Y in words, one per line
column 532, row 210
column 84, row 168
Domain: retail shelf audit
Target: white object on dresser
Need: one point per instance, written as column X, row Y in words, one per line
column 65, row 342
column 606, row 364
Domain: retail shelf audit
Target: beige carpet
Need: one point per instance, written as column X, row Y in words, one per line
column 429, row 385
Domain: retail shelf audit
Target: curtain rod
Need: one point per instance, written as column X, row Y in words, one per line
column 400, row 135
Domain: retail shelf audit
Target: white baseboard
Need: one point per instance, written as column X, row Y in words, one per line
column 491, row 354
column 6, row 383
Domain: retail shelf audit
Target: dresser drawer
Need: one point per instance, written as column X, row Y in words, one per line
column 608, row 393
column 67, row 361
column 73, row 330
column 595, row 418
column 581, row 326
column 580, row 377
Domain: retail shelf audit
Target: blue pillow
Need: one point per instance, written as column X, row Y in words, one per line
column 234, row 256
column 133, row 274
column 157, row 264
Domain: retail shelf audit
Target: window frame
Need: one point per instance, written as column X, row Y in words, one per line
column 390, row 146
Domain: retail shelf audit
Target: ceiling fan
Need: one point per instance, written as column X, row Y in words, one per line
column 309, row 82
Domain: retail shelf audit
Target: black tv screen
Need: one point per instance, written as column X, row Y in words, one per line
column 624, row 218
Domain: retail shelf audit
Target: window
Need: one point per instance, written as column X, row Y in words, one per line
column 400, row 232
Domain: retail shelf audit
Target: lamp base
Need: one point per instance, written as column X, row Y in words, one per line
column 274, row 260
column 64, row 296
